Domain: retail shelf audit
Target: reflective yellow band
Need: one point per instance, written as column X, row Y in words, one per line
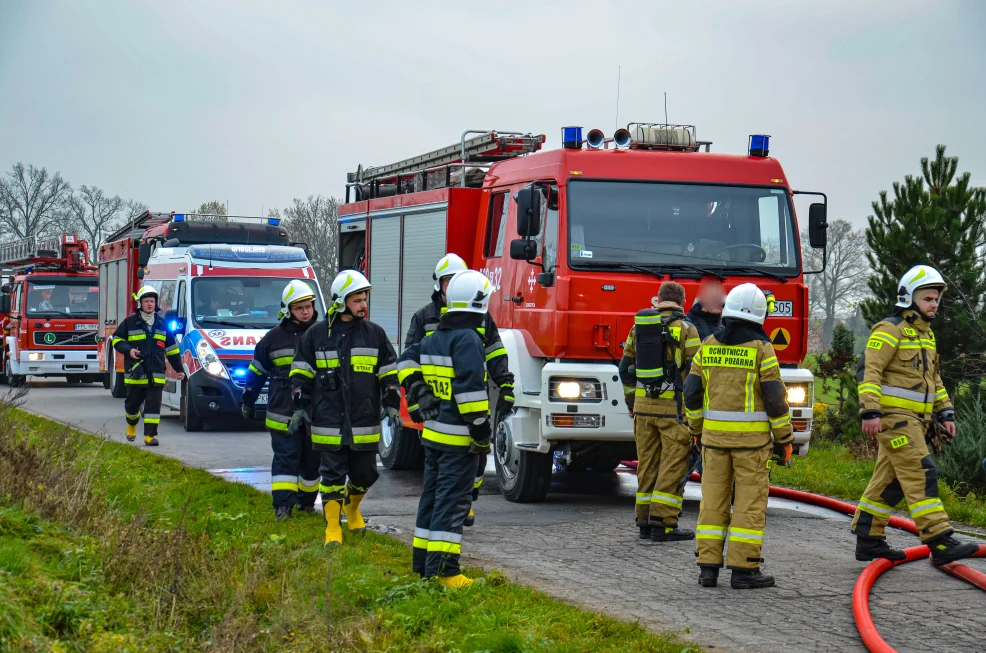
column 886, row 337
column 667, row 499
column 301, row 372
column 323, row 364
column 693, row 342
column 326, row 439
column 872, row 388
column 874, row 507
column 439, row 371
column 768, row 363
column 160, row 336
column 152, row 420
column 363, row 363
column 171, row 351
column 643, row 497
column 444, row 547
column 420, row 543
column 783, row 420
column 926, row 507
column 331, row 489
column 744, row 358
column 142, row 336
column 496, row 352
column 275, row 426
column 445, row 438
column 710, row 532
column 283, row 360
column 736, row 427
column 475, row 406
column 900, row 402
column 406, row 372
column 289, row 487
column 694, row 414
column 366, row 439
column 135, row 381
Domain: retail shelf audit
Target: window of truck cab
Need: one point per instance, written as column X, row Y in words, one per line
column 62, row 297
column 241, row 302
column 664, row 224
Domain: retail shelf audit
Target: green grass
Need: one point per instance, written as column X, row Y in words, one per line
column 833, row 470
column 142, row 553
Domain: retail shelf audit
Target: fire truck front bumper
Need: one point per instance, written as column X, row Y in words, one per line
column 56, row 363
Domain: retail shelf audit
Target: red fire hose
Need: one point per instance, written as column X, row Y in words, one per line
column 861, row 592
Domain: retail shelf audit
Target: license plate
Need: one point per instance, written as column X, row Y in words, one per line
column 262, row 398
column 86, row 327
column 783, row 309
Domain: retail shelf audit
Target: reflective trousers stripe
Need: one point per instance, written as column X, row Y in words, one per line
column 710, row 532
column 874, row 507
column 643, row 497
column 666, row 499
column 926, row 507
column 748, row 535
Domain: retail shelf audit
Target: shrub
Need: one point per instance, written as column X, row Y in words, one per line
column 961, row 462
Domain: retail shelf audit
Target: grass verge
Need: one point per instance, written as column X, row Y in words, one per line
column 104, row 547
column 833, row 470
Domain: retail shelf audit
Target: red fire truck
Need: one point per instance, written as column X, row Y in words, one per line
column 48, row 309
column 598, row 223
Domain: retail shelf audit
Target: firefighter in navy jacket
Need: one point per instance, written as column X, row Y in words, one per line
column 144, row 341
column 344, row 372
column 425, row 322
column 294, row 470
column 445, row 376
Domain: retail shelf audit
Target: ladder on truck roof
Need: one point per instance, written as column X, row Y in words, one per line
column 481, row 150
column 139, row 224
column 31, row 250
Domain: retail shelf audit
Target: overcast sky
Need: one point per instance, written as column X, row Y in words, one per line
column 256, row 102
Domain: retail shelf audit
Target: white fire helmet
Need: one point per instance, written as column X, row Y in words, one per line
column 746, row 302
column 345, row 284
column 296, row 291
column 920, row 276
column 469, row 292
column 146, row 291
column 449, row 265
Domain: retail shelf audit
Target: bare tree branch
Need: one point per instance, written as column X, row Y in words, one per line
column 313, row 221
column 94, row 214
column 844, row 280
column 31, row 200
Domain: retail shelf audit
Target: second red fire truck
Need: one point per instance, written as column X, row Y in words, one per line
column 576, row 241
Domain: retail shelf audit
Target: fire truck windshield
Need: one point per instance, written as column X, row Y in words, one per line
column 664, row 225
column 241, row 302
column 62, row 297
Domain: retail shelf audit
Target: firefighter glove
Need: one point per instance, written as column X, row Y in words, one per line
column 299, row 399
column 428, row 404
column 504, row 403
column 249, row 411
column 482, row 435
column 137, row 370
column 392, row 398
column 783, row 452
column 298, row 419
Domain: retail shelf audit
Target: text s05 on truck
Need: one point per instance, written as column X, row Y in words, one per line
column 576, row 241
column 219, row 281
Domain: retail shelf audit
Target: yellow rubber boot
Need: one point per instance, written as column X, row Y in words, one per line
column 353, row 516
column 470, row 518
column 333, row 531
column 131, row 432
column 457, row 582
column 150, row 441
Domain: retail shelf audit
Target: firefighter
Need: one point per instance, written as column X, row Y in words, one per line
column 445, row 376
column 344, row 371
column 144, row 342
column 294, row 470
column 900, row 394
column 656, row 360
column 424, row 323
column 734, row 399
column 706, row 313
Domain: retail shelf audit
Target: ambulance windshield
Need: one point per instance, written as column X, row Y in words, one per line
column 665, row 225
column 62, row 298
column 241, row 302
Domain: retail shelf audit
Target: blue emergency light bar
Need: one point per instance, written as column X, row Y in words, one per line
column 759, row 144
column 239, row 371
column 178, row 217
column 273, row 221
column 571, row 138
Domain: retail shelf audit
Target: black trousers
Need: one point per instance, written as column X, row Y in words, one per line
column 445, row 500
column 294, row 470
column 150, row 397
column 345, row 471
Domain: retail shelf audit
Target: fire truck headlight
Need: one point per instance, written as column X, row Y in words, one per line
column 210, row 362
column 798, row 395
column 562, row 389
column 35, row 356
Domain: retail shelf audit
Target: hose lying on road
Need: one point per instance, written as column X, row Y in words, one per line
column 861, row 591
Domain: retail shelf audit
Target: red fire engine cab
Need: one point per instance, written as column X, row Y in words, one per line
column 598, row 224
column 48, row 310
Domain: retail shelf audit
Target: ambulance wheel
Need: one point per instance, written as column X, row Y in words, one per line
column 119, row 389
column 107, row 380
column 189, row 418
column 524, row 476
column 400, row 447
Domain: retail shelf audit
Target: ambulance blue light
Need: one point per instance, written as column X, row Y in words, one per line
column 178, row 217
column 273, row 221
column 239, row 371
column 571, row 137
column 759, row 144
column 173, row 325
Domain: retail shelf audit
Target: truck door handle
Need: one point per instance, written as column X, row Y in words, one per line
column 516, row 300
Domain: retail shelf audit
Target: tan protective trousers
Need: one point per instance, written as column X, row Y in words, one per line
column 904, row 470
column 663, row 448
column 725, row 472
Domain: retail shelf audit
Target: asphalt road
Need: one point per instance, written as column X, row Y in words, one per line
column 580, row 545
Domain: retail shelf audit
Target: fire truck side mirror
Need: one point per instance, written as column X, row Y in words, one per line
column 528, row 201
column 4, row 303
column 523, row 250
column 143, row 254
column 817, row 226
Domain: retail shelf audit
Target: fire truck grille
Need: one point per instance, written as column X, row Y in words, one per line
column 65, row 338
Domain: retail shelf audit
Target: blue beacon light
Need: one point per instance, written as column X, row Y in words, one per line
column 178, row 217
column 759, row 145
column 571, row 138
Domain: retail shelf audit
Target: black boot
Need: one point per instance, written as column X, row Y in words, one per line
column 308, row 510
column 747, row 579
column 871, row 548
column 282, row 512
column 708, row 576
column 665, row 534
column 645, row 531
column 946, row 549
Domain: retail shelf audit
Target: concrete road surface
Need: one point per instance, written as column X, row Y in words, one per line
column 580, row 545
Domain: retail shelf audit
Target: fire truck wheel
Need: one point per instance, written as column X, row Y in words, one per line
column 189, row 418
column 400, row 447
column 524, row 476
column 119, row 389
column 107, row 380
column 13, row 380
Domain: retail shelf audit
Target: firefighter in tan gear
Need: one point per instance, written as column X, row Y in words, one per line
column 656, row 359
column 735, row 399
column 900, row 394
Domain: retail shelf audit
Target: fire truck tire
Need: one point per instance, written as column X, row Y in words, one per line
column 400, row 447
column 189, row 418
column 13, row 380
column 107, row 380
column 119, row 389
column 523, row 476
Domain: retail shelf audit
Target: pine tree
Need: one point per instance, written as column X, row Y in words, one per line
column 937, row 219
